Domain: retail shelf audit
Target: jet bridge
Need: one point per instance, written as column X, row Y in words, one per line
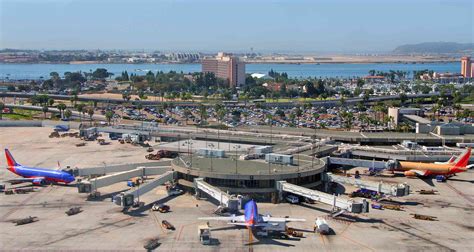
column 224, row 198
column 127, row 199
column 104, row 169
column 338, row 203
column 397, row 190
column 88, row 186
column 361, row 163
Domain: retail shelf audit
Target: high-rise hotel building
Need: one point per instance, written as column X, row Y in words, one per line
column 467, row 67
column 227, row 67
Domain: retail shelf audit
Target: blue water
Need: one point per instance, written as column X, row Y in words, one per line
column 36, row 71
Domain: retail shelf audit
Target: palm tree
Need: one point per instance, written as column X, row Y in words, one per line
column 202, row 113
column 434, row 109
column 221, row 114
column 348, row 118
column 80, row 108
column 342, row 101
column 45, row 110
column 457, row 108
column 187, row 113
column 140, row 107
column 61, row 107
column 362, row 119
column 90, row 112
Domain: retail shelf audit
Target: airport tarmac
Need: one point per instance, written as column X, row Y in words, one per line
column 102, row 225
column 31, row 146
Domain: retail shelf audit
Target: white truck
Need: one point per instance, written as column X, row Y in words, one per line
column 204, row 234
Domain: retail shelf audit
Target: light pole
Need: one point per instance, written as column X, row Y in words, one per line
column 212, row 146
column 179, row 143
column 236, row 147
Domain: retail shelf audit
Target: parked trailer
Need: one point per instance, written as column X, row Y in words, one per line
column 279, row 158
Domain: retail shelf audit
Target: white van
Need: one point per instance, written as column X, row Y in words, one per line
column 292, row 199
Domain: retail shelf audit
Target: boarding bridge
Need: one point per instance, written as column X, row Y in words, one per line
column 127, row 199
column 89, row 186
column 338, row 203
column 103, row 170
column 359, row 163
column 224, row 198
column 396, row 190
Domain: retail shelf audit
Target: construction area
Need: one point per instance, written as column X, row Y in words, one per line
column 122, row 200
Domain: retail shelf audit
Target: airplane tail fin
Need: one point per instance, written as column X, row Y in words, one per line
column 463, row 159
column 10, row 160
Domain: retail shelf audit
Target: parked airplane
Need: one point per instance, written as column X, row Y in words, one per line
column 412, row 169
column 252, row 219
column 37, row 176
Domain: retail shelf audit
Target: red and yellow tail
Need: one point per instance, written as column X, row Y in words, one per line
column 10, row 160
column 462, row 162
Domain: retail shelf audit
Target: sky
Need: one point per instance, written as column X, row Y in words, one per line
column 234, row 25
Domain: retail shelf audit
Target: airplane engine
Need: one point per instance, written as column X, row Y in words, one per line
column 409, row 174
column 39, row 182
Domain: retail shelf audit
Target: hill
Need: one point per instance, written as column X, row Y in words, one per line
column 435, row 47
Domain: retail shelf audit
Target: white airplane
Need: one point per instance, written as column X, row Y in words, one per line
column 252, row 219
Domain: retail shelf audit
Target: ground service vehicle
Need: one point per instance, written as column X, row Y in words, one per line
column 292, row 199
column 204, row 234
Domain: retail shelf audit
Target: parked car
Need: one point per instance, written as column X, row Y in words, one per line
column 292, row 199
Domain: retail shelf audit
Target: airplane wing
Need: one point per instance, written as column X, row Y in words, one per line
column 36, row 180
column 279, row 219
column 421, row 173
column 233, row 218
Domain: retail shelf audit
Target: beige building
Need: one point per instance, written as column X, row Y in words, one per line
column 227, row 67
column 466, row 67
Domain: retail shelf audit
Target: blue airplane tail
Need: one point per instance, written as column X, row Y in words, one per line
column 10, row 160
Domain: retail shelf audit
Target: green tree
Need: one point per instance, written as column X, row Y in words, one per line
column 108, row 115
column 2, row 107
column 67, row 114
column 342, row 101
column 221, row 114
column 90, row 112
column 140, row 107
column 187, row 113
column 80, row 108
column 202, row 113
column 101, row 73
column 61, row 107
column 45, row 110
column 403, row 97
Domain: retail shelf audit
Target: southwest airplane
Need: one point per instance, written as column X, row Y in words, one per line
column 449, row 168
column 37, row 176
column 251, row 218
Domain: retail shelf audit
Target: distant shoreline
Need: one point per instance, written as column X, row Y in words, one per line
column 246, row 62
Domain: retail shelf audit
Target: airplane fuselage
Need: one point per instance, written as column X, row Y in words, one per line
column 433, row 169
column 48, row 174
